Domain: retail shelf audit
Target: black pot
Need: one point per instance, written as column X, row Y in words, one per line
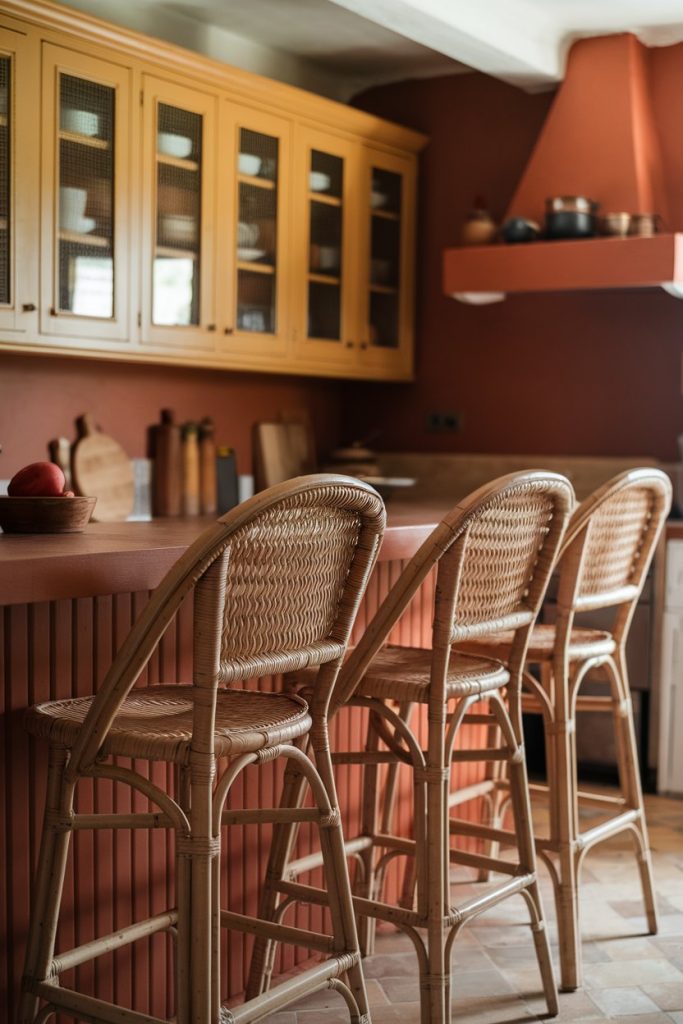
column 519, row 229
column 570, row 224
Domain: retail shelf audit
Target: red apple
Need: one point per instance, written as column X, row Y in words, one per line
column 39, row 480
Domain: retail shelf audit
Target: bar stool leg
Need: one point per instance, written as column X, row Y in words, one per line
column 49, row 883
column 629, row 779
column 561, row 738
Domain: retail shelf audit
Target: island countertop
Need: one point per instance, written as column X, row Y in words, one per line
column 114, row 558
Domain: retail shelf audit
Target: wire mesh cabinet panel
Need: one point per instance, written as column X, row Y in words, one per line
column 86, row 212
column 19, row 175
column 254, row 244
column 328, row 180
column 179, row 223
column 388, row 261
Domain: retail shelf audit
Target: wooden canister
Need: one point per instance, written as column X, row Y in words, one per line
column 207, row 467
column 167, row 471
column 190, row 469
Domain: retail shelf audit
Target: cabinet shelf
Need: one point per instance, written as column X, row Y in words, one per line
column 386, row 214
column 251, row 179
column 84, row 140
column 176, row 161
column 321, row 197
column 383, row 289
column 260, row 268
column 324, row 278
column 78, row 238
column 168, row 252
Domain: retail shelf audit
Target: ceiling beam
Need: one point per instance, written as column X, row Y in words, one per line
column 510, row 39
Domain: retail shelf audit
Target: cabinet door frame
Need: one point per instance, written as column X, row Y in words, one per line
column 253, row 346
column 390, row 362
column 58, row 60
column 318, row 353
column 21, row 312
column 199, row 337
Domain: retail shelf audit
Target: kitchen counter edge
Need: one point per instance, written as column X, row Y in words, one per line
column 114, row 558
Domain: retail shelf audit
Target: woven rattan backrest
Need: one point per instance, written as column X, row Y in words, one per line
column 253, row 548
column 611, row 540
column 495, row 551
column 508, row 551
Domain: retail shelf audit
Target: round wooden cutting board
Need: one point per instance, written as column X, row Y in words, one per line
column 101, row 469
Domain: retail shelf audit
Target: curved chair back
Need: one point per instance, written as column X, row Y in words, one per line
column 495, row 551
column 277, row 582
column 610, row 543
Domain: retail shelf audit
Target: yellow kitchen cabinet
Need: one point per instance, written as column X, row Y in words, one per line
column 19, row 184
column 179, row 222
column 85, row 211
column 254, row 264
column 386, row 293
column 177, row 210
column 327, row 177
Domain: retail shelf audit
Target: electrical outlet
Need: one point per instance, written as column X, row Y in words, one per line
column 445, row 422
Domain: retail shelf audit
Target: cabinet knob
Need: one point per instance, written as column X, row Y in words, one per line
column 28, row 307
column 211, row 327
column 363, row 344
column 229, row 330
column 349, row 344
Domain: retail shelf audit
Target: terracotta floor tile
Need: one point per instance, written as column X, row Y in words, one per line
column 631, row 972
column 624, row 1001
column 667, row 996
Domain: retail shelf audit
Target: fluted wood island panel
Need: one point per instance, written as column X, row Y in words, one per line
column 67, row 604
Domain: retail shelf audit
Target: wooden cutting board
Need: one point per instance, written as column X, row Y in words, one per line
column 281, row 451
column 101, row 469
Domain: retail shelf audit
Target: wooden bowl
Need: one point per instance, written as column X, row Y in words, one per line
column 45, row 515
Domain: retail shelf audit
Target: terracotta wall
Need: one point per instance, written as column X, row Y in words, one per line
column 574, row 373
column 40, row 396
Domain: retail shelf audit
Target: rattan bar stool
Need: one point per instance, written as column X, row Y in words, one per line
column 603, row 564
column 276, row 585
column 493, row 554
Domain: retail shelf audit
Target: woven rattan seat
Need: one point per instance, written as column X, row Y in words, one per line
column 402, row 674
column 603, row 564
column 155, row 723
column 583, row 643
column 274, row 586
column 493, row 555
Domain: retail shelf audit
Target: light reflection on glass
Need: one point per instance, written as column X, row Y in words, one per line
column 174, row 291
column 91, row 281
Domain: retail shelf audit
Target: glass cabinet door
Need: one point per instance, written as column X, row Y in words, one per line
column 255, row 177
column 180, row 127
column 328, row 173
column 387, row 335
column 19, row 182
column 87, row 165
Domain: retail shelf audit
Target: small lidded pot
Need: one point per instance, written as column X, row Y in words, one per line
column 570, row 217
column 617, row 225
column 480, row 227
column 645, row 225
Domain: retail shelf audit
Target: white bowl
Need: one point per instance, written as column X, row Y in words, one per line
column 249, row 255
column 72, row 203
column 328, row 257
column 319, row 182
column 80, row 122
column 174, row 145
column 249, row 164
column 378, row 200
column 178, row 229
column 247, row 233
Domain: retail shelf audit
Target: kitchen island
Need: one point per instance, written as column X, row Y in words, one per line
column 67, row 604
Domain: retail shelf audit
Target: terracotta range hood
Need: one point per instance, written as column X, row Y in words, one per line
column 614, row 133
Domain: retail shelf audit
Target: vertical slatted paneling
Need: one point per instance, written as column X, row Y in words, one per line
column 64, row 649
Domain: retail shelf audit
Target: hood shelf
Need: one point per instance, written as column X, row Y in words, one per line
column 485, row 273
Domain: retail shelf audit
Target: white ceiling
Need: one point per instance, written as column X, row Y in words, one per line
column 339, row 47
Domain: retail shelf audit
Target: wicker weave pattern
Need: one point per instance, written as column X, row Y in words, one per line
column 495, row 583
column 262, row 609
column 155, row 723
column 403, row 673
column 617, row 532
